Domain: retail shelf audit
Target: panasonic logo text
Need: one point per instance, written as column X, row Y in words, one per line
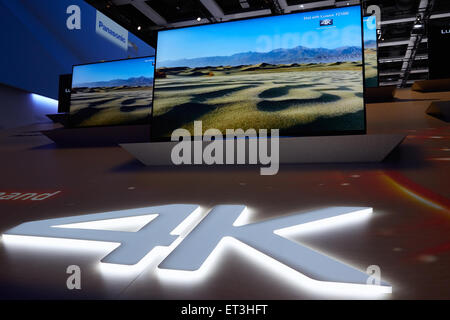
column 110, row 30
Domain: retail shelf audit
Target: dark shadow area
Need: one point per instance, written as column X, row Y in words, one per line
column 280, row 92
column 32, row 294
column 374, row 100
column 24, row 135
column 178, row 116
column 87, row 145
column 132, row 108
column 186, row 87
column 77, row 118
column 98, row 136
column 272, row 106
column 371, row 82
column 349, row 122
column 137, row 166
column 441, row 117
column 406, row 157
column 412, row 100
column 202, row 97
column 99, row 103
column 32, row 133
column 129, row 101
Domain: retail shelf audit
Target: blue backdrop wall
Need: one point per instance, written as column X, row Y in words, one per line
column 38, row 46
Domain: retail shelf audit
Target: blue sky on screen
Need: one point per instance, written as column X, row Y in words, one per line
column 370, row 29
column 39, row 47
column 123, row 69
column 252, row 35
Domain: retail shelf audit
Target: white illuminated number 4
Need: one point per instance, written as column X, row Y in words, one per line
column 162, row 225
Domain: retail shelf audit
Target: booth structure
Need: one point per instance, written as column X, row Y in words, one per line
column 338, row 149
column 107, row 98
column 440, row 110
column 153, row 179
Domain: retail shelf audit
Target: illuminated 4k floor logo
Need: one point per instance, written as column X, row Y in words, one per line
column 171, row 225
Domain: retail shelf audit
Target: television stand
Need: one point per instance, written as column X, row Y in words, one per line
column 370, row 148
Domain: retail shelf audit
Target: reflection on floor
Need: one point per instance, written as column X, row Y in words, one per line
column 407, row 236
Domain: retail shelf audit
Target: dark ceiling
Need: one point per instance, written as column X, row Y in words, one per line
column 398, row 18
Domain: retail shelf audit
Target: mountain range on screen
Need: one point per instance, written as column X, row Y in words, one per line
column 298, row 55
column 131, row 82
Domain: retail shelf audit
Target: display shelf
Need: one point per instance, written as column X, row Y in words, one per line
column 99, row 136
column 328, row 149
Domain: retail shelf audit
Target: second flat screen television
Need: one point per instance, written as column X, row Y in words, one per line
column 371, row 51
column 112, row 93
column 301, row 73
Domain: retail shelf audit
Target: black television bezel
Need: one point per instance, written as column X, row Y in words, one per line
column 313, row 134
column 378, row 62
column 61, row 108
column 69, row 121
column 434, row 23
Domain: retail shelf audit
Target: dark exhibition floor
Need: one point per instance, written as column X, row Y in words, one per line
column 407, row 236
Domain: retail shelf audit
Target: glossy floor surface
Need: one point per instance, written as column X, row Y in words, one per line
column 408, row 236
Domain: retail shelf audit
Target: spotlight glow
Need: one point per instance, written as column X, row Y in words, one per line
column 50, row 245
column 245, row 217
column 278, row 270
column 44, row 100
column 190, row 222
column 326, row 224
column 128, row 224
column 46, row 238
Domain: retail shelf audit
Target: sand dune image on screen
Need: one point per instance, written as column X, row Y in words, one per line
column 112, row 93
column 297, row 88
column 371, row 67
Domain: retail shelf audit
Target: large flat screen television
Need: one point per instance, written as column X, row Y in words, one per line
column 112, row 93
column 301, row 73
column 371, row 51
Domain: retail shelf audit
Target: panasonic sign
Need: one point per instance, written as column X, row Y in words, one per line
column 110, row 30
column 193, row 238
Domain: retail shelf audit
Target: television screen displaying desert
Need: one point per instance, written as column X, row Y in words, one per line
column 266, row 73
column 112, row 93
